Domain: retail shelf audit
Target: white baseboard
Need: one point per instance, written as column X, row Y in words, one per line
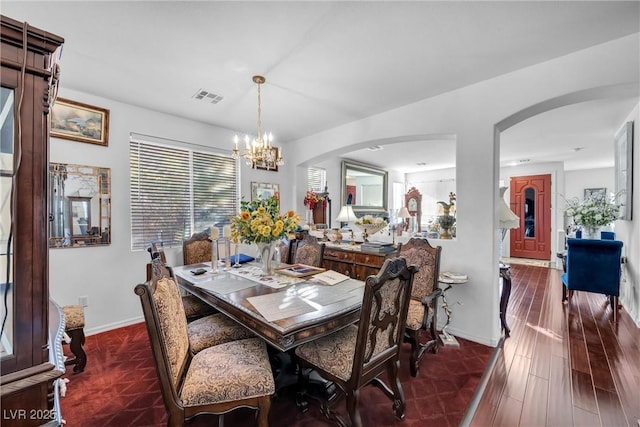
column 112, row 326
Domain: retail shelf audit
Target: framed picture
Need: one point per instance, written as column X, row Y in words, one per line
column 624, row 169
column 264, row 190
column 80, row 122
column 274, row 153
column 589, row 192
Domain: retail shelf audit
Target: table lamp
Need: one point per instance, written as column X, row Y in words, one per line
column 507, row 219
column 404, row 214
column 347, row 215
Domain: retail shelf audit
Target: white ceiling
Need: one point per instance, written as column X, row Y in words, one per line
column 329, row 63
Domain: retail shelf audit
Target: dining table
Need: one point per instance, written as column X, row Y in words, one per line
column 285, row 311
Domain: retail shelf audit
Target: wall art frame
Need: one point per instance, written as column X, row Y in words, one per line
column 264, row 190
column 623, row 149
column 599, row 192
column 80, row 122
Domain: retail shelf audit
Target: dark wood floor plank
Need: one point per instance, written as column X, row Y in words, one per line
column 517, row 377
column 558, row 412
column 587, row 364
column 534, row 408
column 583, row 392
column 584, row 418
column 509, row 411
column 611, row 412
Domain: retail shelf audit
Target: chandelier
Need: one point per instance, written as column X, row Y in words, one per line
column 259, row 152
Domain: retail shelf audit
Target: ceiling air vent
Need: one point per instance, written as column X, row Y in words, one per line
column 204, row 95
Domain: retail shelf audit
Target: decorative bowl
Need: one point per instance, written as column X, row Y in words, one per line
column 369, row 229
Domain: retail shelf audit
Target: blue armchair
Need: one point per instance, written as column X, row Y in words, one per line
column 593, row 266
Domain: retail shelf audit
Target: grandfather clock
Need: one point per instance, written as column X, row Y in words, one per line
column 413, row 202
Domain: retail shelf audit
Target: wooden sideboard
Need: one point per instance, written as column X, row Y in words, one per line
column 353, row 262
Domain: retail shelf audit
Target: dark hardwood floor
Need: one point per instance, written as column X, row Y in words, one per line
column 564, row 364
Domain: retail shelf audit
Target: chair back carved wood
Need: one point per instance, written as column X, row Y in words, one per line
column 369, row 349
column 308, row 251
column 197, row 249
column 423, row 307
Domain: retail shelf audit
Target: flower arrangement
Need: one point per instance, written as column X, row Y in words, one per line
column 260, row 221
column 311, row 199
column 594, row 211
column 370, row 219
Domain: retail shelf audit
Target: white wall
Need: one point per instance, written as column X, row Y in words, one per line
column 108, row 274
column 473, row 114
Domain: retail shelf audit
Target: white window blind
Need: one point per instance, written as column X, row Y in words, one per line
column 316, row 179
column 176, row 191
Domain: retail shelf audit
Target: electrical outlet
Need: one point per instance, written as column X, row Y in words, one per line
column 83, row 301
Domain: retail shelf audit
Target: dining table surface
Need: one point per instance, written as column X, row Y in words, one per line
column 285, row 311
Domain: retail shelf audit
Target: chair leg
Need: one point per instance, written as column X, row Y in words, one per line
column 352, row 407
column 396, row 387
column 614, row 306
column 264, row 404
column 77, row 341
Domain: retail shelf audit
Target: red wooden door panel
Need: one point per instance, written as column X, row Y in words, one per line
column 531, row 201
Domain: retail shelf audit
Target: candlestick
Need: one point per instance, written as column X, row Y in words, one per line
column 236, row 264
column 226, row 232
column 227, row 254
column 214, row 255
column 214, row 233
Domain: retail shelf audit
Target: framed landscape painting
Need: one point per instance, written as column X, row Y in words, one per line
column 80, row 122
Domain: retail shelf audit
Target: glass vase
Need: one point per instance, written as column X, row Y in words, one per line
column 267, row 252
column 591, row 232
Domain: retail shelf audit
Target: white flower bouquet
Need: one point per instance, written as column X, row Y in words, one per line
column 594, row 211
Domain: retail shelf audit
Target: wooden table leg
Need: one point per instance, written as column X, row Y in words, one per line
column 505, row 273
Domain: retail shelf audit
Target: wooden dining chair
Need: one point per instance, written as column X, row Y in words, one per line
column 423, row 306
column 357, row 355
column 195, row 250
column 216, row 380
column 308, row 251
column 206, row 331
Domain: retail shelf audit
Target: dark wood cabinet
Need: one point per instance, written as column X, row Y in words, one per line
column 28, row 82
column 353, row 262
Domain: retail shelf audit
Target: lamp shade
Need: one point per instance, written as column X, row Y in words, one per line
column 506, row 216
column 404, row 213
column 346, row 214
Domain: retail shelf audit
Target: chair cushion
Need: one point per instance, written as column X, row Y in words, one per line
column 333, row 353
column 73, row 316
column 213, row 330
column 195, row 307
column 227, row 372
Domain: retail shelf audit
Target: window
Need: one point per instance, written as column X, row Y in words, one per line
column 316, row 179
column 177, row 191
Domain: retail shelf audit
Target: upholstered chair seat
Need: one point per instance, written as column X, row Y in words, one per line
column 334, row 352
column 415, row 316
column 213, row 330
column 228, row 372
column 195, row 308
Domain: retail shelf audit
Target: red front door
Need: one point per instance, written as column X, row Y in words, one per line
column 531, row 201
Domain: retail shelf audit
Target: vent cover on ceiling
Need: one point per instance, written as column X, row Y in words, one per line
column 205, row 95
